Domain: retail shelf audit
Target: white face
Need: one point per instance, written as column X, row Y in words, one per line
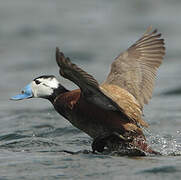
column 44, row 86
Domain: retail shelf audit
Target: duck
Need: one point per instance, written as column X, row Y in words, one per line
column 111, row 113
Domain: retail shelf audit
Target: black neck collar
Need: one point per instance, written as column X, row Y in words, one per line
column 57, row 92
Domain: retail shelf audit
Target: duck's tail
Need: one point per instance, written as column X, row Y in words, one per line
column 140, row 143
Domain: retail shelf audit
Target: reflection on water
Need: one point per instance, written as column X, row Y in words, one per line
column 33, row 137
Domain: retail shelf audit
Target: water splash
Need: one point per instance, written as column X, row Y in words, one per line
column 167, row 145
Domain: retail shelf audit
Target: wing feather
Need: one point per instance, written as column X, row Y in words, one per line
column 74, row 73
column 135, row 69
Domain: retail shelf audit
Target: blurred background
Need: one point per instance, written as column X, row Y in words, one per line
column 92, row 33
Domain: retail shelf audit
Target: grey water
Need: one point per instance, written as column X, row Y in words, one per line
column 33, row 137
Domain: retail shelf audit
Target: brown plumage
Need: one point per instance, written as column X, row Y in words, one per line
column 135, row 69
column 111, row 113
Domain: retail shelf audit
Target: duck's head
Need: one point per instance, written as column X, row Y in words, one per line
column 46, row 86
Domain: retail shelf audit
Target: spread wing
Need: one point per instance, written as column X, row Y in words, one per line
column 88, row 85
column 75, row 74
column 135, row 69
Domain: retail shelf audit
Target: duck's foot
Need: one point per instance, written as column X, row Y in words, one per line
column 100, row 142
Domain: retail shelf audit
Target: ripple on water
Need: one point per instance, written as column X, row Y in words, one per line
column 162, row 169
column 176, row 91
column 28, row 144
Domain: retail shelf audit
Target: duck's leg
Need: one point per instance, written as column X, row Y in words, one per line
column 100, row 142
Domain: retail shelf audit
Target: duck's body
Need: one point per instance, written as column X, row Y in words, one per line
column 86, row 116
column 110, row 113
column 98, row 122
column 90, row 118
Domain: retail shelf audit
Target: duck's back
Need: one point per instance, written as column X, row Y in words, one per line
column 126, row 101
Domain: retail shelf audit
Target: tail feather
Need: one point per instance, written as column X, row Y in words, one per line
column 141, row 144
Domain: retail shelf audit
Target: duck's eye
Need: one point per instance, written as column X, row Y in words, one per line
column 37, row 81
